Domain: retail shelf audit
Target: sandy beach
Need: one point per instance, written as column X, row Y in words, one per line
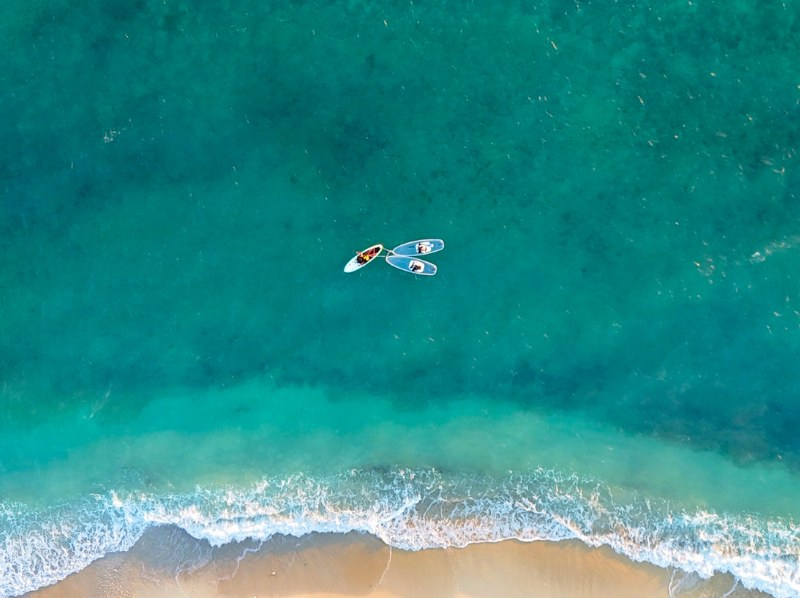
column 329, row 565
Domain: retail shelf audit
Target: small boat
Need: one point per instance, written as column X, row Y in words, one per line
column 362, row 258
column 421, row 247
column 411, row 264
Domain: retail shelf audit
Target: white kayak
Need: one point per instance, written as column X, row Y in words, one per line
column 421, row 247
column 362, row 258
column 411, row 264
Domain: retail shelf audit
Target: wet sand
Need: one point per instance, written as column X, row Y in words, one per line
column 332, row 565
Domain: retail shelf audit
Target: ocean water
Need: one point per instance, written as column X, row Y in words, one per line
column 609, row 351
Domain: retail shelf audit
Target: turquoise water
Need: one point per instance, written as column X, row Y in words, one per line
column 608, row 352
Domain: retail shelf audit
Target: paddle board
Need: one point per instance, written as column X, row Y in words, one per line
column 411, row 264
column 421, row 247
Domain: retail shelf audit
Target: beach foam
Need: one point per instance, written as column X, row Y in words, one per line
column 411, row 510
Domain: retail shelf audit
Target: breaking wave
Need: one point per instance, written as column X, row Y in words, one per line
column 409, row 510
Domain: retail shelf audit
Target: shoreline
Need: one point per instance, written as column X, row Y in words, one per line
column 168, row 562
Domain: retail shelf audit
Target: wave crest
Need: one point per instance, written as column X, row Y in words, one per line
column 406, row 509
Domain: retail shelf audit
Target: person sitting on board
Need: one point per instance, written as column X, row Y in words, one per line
column 416, row 266
column 423, row 247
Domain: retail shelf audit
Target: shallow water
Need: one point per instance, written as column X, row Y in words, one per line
column 617, row 303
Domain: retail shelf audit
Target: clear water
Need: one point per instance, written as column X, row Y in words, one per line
column 608, row 352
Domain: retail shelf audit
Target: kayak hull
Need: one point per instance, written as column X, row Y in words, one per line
column 368, row 256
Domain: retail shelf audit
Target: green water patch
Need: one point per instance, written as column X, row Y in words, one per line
column 256, row 431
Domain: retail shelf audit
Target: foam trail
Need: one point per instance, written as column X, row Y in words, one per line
column 408, row 510
column 775, row 247
column 39, row 548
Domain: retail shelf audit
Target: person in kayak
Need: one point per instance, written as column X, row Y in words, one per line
column 366, row 256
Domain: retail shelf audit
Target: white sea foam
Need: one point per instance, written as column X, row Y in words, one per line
column 406, row 509
column 775, row 247
column 40, row 547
